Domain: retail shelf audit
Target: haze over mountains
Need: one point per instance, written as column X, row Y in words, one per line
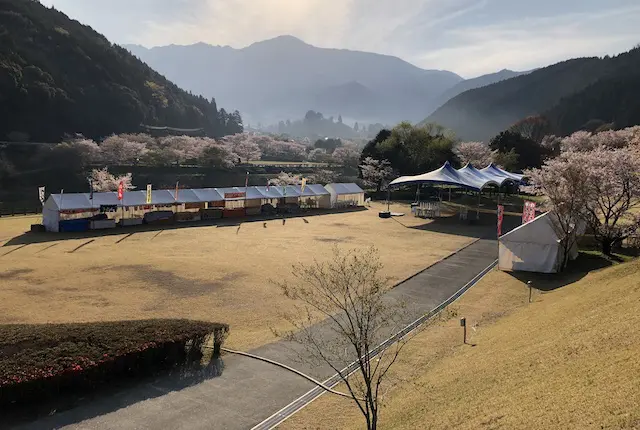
column 569, row 94
column 282, row 78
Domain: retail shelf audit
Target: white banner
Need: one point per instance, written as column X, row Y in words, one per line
column 149, row 194
column 41, row 194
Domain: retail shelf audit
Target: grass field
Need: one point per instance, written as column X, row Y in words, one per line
column 211, row 273
column 569, row 360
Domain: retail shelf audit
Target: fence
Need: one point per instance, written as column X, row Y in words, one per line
column 10, row 210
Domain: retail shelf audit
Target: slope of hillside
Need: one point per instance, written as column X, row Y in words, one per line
column 58, row 76
column 613, row 99
column 282, row 78
column 482, row 113
column 566, row 361
column 479, row 82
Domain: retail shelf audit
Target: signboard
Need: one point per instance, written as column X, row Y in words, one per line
column 148, row 194
column 529, row 212
column 108, row 208
column 304, row 184
column 120, row 191
column 500, row 218
column 41, row 194
column 234, row 195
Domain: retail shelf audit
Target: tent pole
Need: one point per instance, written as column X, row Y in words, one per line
column 478, row 209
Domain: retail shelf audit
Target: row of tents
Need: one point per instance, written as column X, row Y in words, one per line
column 65, row 210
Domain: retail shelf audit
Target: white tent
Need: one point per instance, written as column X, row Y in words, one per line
column 468, row 177
column 534, row 247
column 345, row 195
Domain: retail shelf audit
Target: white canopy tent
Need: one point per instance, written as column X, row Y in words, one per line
column 345, row 195
column 534, row 247
column 467, row 177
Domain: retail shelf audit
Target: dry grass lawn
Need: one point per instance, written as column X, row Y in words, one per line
column 213, row 273
column 567, row 361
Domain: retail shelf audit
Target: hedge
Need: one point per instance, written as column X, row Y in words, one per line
column 45, row 361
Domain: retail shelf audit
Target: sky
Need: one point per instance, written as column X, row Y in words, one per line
column 468, row 37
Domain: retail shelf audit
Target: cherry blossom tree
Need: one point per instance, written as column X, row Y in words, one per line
column 376, row 172
column 285, row 178
column 119, row 150
column 476, row 153
column 244, row 145
column 85, row 151
column 595, row 179
column 217, row 155
column 324, row 177
column 281, row 150
column 319, row 155
column 347, row 155
column 103, row 181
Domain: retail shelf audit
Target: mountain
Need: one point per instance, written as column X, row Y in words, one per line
column 553, row 91
column 610, row 100
column 58, row 76
column 480, row 81
column 284, row 77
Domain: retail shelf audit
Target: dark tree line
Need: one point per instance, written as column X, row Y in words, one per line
column 58, row 76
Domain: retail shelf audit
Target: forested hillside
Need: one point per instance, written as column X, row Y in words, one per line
column 482, row 113
column 613, row 101
column 58, row 76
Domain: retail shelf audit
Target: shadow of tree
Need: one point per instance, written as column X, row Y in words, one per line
column 576, row 270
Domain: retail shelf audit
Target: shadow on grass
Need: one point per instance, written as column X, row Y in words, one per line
column 28, row 238
column 586, row 262
column 485, row 226
column 68, row 411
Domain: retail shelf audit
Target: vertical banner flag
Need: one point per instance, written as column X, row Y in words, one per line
column 500, row 217
column 148, row 194
column 284, row 191
column 175, row 196
column 267, row 185
column 532, row 210
column 246, row 181
column 120, row 190
column 41, row 194
column 529, row 212
column 304, row 183
column 91, row 190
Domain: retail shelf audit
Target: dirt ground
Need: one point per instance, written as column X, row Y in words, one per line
column 566, row 361
column 214, row 273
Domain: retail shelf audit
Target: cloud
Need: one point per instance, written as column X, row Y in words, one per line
column 469, row 37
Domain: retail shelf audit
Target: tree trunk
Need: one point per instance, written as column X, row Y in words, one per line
column 606, row 246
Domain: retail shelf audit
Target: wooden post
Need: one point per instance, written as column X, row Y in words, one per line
column 463, row 324
column 529, row 283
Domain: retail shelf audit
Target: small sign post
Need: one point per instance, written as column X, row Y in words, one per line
column 463, row 324
column 530, row 285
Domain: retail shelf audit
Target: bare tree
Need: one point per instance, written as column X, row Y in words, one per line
column 349, row 292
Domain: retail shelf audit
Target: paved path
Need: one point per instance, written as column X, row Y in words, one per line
column 249, row 391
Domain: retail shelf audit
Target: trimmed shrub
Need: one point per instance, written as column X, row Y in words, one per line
column 43, row 361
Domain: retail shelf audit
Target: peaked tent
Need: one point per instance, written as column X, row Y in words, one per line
column 468, row 177
column 345, row 195
column 533, row 247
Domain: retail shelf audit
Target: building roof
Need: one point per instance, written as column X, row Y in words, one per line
column 341, row 189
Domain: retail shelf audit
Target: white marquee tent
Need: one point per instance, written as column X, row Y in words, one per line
column 467, row 177
column 534, row 247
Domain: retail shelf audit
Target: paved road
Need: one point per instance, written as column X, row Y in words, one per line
column 249, row 391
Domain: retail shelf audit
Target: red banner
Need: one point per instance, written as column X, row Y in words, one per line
column 500, row 217
column 120, row 190
column 234, row 195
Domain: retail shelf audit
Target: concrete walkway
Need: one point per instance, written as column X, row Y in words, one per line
column 249, row 391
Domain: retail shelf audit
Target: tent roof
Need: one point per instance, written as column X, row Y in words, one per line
column 139, row 198
column 495, row 170
column 208, row 194
column 467, row 177
column 539, row 230
column 349, row 188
